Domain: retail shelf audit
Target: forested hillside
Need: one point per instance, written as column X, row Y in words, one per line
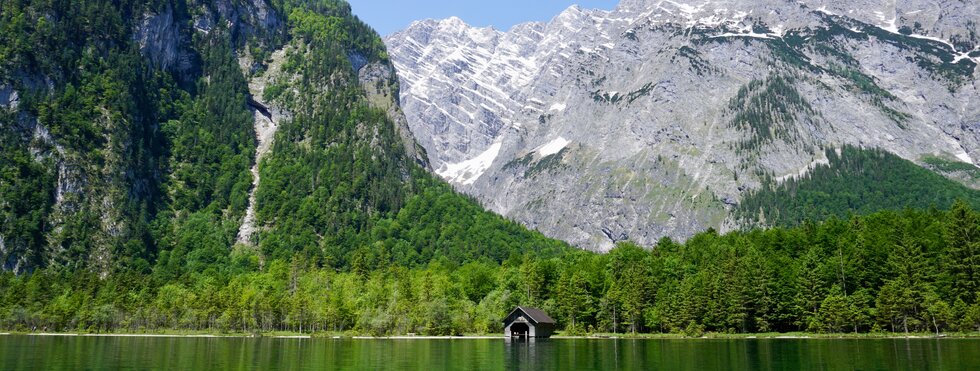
column 854, row 181
column 129, row 138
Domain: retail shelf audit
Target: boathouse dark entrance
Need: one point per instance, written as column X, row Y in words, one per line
column 519, row 330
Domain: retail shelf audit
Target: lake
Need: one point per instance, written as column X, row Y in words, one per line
column 142, row 353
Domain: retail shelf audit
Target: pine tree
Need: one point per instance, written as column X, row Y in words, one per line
column 835, row 312
column 572, row 298
column 901, row 298
column 630, row 286
column 810, row 289
column 962, row 258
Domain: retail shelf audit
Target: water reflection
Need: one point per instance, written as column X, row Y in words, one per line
column 64, row 353
column 521, row 351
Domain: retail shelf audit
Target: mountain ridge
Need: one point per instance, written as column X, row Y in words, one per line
column 650, row 88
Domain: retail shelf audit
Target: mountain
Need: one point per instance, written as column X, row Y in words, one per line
column 177, row 137
column 659, row 118
column 242, row 167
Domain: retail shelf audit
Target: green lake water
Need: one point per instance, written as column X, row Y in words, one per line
column 131, row 353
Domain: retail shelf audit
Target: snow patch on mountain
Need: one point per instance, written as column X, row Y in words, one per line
column 467, row 172
column 747, row 31
column 957, row 55
column 553, row 147
column 965, row 157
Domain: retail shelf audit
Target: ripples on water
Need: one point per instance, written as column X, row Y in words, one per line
column 134, row 353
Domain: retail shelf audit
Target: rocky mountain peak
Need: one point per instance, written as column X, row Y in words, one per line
column 655, row 118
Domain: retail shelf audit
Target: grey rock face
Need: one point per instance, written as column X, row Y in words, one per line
column 161, row 41
column 380, row 83
column 9, row 99
column 247, row 17
column 655, row 118
column 3, row 249
column 267, row 120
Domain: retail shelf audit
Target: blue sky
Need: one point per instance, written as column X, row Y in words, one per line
column 387, row 16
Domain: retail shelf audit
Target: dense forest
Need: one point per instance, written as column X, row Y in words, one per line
column 908, row 271
column 124, row 178
column 854, row 181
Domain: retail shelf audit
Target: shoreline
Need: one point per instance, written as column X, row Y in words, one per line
column 774, row 336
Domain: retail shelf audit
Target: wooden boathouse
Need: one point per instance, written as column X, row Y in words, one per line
column 526, row 323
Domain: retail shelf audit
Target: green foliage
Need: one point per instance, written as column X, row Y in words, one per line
column 93, row 106
column 603, row 97
column 523, row 161
column 961, row 260
column 547, row 163
column 886, row 271
column 630, row 287
column 862, row 82
column 213, row 142
column 339, row 187
column 331, row 22
column 173, row 159
column 26, row 197
column 857, row 181
column 698, row 64
column 532, row 166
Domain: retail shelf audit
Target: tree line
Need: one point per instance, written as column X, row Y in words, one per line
column 908, row 271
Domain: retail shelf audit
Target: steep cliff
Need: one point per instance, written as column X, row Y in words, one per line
column 656, row 118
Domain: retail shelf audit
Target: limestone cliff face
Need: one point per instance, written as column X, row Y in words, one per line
column 164, row 36
column 653, row 119
column 380, row 83
column 161, row 40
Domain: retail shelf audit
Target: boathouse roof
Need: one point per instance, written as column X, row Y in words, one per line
column 535, row 314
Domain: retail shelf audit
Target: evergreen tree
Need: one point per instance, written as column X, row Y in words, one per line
column 811, row 290
column 630, row 282
column 573, row 299
column 961, row 231
column 835, row 312
column 901, row 298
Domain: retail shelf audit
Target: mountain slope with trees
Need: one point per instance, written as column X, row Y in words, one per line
column 853, row 181
column 127, row 141
column 129, row 144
